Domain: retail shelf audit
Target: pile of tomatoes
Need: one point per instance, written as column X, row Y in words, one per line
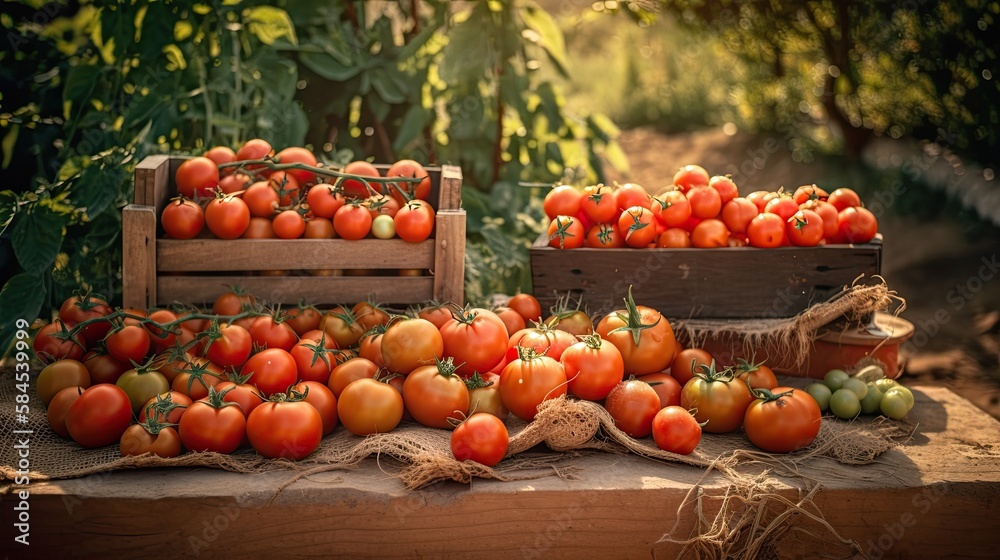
column 704, row 212
column 279, row 381
column 235, row 197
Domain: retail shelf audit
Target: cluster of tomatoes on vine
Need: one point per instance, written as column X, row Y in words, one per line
column 254, row 193
column 704, row 212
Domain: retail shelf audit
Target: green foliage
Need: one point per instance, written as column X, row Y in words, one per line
column 91, row 88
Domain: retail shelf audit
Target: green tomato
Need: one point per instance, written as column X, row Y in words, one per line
column 885, row 384
column 857, row 386
column 383, row 227
column 845, row 404
column 894, row 404
column 821, row 394
column 871, row 401
column 904, row 393
column 834, row 379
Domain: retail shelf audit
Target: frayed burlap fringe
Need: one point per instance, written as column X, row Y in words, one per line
column 786, row 341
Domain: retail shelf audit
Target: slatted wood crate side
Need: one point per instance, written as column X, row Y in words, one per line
column 707, row 283
column 449, row 256
column 138, row 256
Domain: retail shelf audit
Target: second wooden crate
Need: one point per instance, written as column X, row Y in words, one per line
column 158, row 272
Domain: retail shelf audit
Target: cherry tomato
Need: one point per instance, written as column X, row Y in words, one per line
column 285, row 185
column 298, row 155
column 287, row 429
column 197, row 176
column 354, row 188
column 856, row 225
column 150, row 437
column 767, row 231
column 130, row 343
column 710, row 233
column 321, row 398
column 674, row 238
column 629, row 195
column 99, row 416
column 676, row 431
column 262, row 201
column 726, row 187
column 782, row 420
column 599, row 204
column 563, row 200
column 267, row 332
column 691, row 176
column 757, row 376
column 79, row 308
column 221, row 155
column 672, row 208
column 253, row 149
column 783, row 206
column 845, row 198
column 593, row 367
column 350, row 371
column 229, row 345
column 527, row 306
column 59, row 375
column 52, row 344
column 636, row 226
column 352, row 221
column 633, row 404
column 668, row 389
column 400, row 190
column 805, row 228
column 182, row 218
column 805, row 193
column 324, row 200
column 289, row 225
column 686, row 363
column 272, row 370
column 227, row 217
column 705, row 202
column 57, row 408
column 738, row 213
column 213, row 424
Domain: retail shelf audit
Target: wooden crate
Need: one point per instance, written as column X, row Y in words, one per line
column 158, row 272
column 738, row 282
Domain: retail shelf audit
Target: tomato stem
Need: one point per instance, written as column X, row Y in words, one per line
column 275, row 165
column 633, row 319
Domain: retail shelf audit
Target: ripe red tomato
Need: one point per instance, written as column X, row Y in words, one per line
column 511, row 319
column 691, row 176
column 674, row 238
column 856, row 225
column 381, row 204
column 593, row 367
column 599, row 204
column 629, row 195
column 227, row 216
column 828, row 213
column 160, row 339
column 272, row 370
column 197, row 176
column 196, row 378
column 633, row 404
column 352, row 221
column 234, row 183
column 228, row 345
column 324, row 200
column 563, row 200
column 253, row 149
column 99, row 416
column 221, row 155
column 103, row 368
column 322, row 399
column 668, row 389
column 767, row 231
column 782, row 420
column 369, row 315
column 710, row 233
column 720, row 400
column 368, row 407
column 726, row 187
column 527, row 305
column 411, row 343
column 676, row 430
column 150, row 437
column 57, row 408
column 687, row 362
column 484, row 395
column 482, row 438
column 213, row 424
column 370, row 346
column 166, row 407
column 247, row 397
column 644, row 337
column 759, row 200
column 285, row 185
column 233, row 302
column 303, row 319
column 476, row 338
column 85, row 307
column 313, row 360
column 543, row 339
column 805, row 193
column 261, row 200
column 672, row 208
column 354, row 188
column 350, row 371
column 757, row 376
column 268, row 332
column 401, row 191
column 435, row 394
column 783, row 206
column 705, row 202
column 528, row 381
column 287, row 429
column 341, row 325
column 289, row 225
column 845, row 198
column 738, row 213
column 298, row 155
column 49, row 347
column 805, row 228
column 604, row 236
column 130, row 343
column 566, row 232
column 636, row 226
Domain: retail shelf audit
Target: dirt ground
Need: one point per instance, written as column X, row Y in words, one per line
column 948, row 282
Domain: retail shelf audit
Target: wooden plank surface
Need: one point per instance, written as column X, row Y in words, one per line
column 177, row 255
column 709, row 283
column 449, row 257
column 138, row 256
column 318, row 290
column 451, row 187
column 934, row 497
